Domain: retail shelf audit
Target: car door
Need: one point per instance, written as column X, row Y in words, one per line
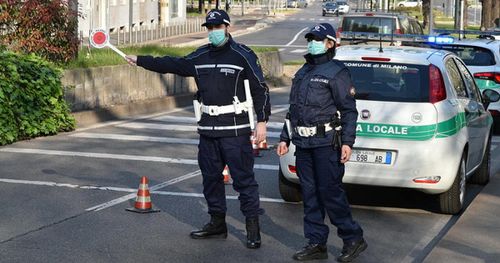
column 470, row 109
column 481, row 125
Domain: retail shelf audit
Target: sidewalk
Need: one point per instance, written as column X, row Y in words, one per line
column 476, row 235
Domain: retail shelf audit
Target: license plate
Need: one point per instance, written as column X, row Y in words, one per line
column 367, row 156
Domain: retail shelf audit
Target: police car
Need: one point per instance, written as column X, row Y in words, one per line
column 482, row 57
column 422, row 124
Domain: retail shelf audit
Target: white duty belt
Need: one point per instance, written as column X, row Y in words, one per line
column 237, row 107
column 311, row 131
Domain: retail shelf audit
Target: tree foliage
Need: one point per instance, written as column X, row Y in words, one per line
column 47, row 28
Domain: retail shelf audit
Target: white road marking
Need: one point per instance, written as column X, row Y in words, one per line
column 173, row 127
column 153, row 188
column 272, row 125
column 156, row 126
column 123, row 137
column 321, row 19
column 110, row 123
column 302, row 18
column 120, row 157
column 296, row 36
column 495, row 139
column 312, row 19
column 331, row 19
column 493, row 147
column 281, row 49
column 179, row 119
column 298, row 51
column 280, row 110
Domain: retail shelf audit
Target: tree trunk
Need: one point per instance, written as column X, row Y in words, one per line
column 486, row 20
column 426, row 9
column 495, row 13
column 201, row 6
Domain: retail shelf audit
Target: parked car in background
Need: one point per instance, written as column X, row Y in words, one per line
column 343, row 7
column 482, row 57
column 410, row 3
column 330, row 8
column 377, row 22
column 296, row 3
column 422, row 124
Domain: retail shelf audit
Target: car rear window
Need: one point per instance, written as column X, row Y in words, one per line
column 368, row 24
column 471, row 55
column 389, row 81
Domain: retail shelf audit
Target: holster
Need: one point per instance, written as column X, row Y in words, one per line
column 337, row 134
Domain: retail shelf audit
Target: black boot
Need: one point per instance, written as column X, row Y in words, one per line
column 253, row 232
column 351, row 250
column 310, row 252
column 216, row 228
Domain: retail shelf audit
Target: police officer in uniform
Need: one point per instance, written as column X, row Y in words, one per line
column 323, row 140
column 220, row 69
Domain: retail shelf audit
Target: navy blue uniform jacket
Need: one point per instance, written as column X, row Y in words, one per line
column 219, row 73
column 320, row 88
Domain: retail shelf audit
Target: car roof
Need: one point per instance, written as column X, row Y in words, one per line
column 479, row 42
column 406, row 55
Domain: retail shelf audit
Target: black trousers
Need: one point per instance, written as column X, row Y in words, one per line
column 320, row 173
column 236, row 152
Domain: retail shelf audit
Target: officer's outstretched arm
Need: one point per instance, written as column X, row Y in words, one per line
column 179, row 66
column 343, row 95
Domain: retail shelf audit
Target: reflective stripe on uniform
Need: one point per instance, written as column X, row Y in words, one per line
column 219, row 128
column 205, row 66
column 229, row 66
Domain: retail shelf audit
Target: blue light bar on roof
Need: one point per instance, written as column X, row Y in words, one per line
column 440, row 39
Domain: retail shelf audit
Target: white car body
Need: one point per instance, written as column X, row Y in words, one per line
column 410, row 3
column 343, row 7
column 425, row 140
column 475, row 67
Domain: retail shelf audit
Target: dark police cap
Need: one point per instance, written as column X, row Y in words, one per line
column 322, row 31
column 216, row 17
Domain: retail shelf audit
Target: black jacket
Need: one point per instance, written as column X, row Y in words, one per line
column 319, row 89
column 219, row 73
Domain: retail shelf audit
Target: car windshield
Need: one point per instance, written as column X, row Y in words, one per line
column 368, row 24
column 330, row 5
column 472, row 56
column 389, row 81
column 341, row 3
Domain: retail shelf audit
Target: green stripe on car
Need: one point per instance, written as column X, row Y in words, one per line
column 412, row 132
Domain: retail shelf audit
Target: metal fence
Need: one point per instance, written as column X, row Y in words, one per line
column 146, row 33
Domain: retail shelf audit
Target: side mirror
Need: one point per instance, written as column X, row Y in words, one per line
column 490, row 96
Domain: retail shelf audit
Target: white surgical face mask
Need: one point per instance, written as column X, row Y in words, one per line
column 316, row 47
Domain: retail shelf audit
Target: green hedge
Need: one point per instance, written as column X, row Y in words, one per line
column 31, row 98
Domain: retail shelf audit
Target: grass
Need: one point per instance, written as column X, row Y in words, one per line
column 294, row 62
column 106, row 57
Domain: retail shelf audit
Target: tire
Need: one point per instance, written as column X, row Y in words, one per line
column 323, row 13
column 452, row 201
column 482, row 174
column 289, row 191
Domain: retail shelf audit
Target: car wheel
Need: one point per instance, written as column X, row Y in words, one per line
column 452, row 201
column 323, row 13
column 482, row 174
column 401, row 6
column 289, row 191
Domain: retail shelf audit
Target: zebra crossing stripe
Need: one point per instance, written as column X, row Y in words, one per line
column 120, row 157
column 173, row 127
column 123, row 137
column 298, row 51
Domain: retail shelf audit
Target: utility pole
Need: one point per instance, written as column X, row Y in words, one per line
column 431, row 20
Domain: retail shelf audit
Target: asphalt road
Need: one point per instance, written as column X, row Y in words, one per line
column 288, row 35
column 65, row 198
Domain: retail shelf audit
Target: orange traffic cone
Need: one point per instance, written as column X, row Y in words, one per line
column 263, row 145
column 227, row 176
column 255, row 147
column 143, row 199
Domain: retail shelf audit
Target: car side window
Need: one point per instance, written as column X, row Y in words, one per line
column 455, row 78
column 470, row 84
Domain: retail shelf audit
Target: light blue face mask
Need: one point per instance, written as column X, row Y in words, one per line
column 217, row 37
column 316, row 47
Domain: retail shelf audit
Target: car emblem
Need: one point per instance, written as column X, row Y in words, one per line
column 416, row 117
column 365, row 114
